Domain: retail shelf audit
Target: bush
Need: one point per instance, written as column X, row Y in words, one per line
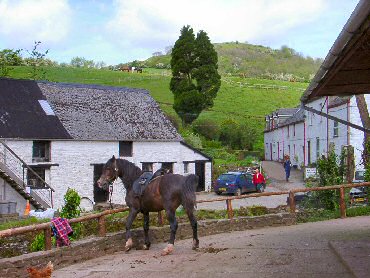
column 71, row 209
column 207, row 128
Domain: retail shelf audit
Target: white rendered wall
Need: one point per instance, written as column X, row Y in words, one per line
column 75, row 163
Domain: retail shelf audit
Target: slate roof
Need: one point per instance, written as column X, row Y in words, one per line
column 94, row 112
column 21, row 115
column 286, row 111
column 297, row 117
column 82, row 112
column 337, row 101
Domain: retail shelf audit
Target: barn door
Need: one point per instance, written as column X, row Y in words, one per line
column 200, row 172
column 100, row 195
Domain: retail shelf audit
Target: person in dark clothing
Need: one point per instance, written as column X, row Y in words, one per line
column 287, row 166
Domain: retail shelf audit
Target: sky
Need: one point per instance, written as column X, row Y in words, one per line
column 120, row 31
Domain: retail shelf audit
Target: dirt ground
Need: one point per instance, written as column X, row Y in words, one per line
column 292, row 251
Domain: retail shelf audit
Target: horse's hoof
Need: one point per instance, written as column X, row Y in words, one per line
column 168, row 250
column 146, row 246
column 195, row 244
column 128, row 245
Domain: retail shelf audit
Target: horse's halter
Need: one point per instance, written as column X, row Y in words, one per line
column 115, row 174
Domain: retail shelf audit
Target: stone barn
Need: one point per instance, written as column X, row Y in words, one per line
column 56, row 136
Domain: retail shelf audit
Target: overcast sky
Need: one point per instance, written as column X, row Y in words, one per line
column 118, row 31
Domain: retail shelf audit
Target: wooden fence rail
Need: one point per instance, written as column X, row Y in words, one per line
column 102, row 215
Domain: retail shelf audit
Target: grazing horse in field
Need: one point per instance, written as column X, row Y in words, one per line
column 126, row 68
column 167, row 192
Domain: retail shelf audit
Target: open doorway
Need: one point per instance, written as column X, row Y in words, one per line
column 100, row 195
column 200, row 172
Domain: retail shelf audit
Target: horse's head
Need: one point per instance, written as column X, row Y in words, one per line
column 109, row 174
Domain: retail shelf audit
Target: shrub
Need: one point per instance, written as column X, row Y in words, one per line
column 207, row 128
column 71, row 209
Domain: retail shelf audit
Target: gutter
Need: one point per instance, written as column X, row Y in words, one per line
column 358, row 16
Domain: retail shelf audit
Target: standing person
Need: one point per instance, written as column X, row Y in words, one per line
column 287, row 165
column 259, row 181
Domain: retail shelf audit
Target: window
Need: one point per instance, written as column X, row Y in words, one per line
column 289, row 150
column 317, row 147
column 147, row 167
column 294, row 130
column 186, row 167
column 336, row 129
column 243, row 179
column 125, row 148
column 32, row 180
column 288, row 131
column 168, row 166
column 41, row 151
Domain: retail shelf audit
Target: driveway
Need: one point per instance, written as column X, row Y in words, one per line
column 275, row 174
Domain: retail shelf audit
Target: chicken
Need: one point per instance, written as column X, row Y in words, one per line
column 41, row 273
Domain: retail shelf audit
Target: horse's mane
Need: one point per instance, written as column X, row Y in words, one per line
column 132, row 172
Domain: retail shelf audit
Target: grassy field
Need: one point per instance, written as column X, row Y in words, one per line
column 240, row 99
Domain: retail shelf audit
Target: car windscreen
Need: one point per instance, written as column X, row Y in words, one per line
column 227, row 177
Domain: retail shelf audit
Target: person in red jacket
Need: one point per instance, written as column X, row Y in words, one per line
column 259, row 181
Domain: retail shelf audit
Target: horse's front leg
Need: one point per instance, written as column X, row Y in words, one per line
column 146, row 230
column 130, row 219
column 173, row 226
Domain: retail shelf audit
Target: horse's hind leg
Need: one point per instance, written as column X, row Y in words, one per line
column 194, row 226
column 146, row 231
column 130, row 219
column 173, row 226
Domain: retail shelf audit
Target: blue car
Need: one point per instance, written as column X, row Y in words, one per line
column 235, row 183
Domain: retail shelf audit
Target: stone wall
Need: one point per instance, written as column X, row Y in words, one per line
column 93, row 247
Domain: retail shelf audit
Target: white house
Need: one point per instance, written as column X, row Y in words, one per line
column 343, row 74
column 305, row 136
column 66, row 132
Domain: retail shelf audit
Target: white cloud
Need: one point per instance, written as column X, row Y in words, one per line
column 23, row 22
column 148, row 23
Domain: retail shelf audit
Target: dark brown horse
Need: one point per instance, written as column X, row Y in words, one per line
column 165, row 192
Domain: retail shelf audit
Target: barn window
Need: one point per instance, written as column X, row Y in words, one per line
column 168, row 166
column 41, row 151
column 125, row 148
column 186, row 167
column 32, row 180
column 147, row 167
column 336, row 129
column 317, row 147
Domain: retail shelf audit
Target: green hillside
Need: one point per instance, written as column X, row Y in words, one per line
column 243, row 59
column 244, row 100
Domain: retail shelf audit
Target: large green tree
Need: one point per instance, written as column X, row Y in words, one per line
column 195, row 80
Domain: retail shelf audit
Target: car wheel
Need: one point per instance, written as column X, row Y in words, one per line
column 238, row 192
column 218, row 192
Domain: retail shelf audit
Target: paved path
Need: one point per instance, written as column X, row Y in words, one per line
column 276, row 175
column 305, row 250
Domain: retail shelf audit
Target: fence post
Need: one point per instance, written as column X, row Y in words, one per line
column 47, row 236
column 101, row 223
column 229, row 209
column 160, row 218
column 291, row 202
column 342, row 203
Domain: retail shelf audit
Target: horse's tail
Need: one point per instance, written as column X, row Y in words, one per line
column 188, row 191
